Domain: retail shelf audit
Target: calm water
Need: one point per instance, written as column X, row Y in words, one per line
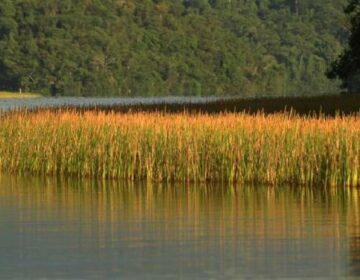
column 52, row 228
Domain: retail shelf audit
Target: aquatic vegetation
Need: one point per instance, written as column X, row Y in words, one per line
column 327, row 105
column 230, row 147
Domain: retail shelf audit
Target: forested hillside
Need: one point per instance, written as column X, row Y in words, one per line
column 169, row 47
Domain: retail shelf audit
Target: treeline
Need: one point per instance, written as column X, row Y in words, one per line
column 167, row 47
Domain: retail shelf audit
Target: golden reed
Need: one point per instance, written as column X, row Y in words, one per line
column 229, row 147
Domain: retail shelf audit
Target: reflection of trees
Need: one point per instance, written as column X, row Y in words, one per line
column 354, row 233
column 354, row 245
column 181, row 213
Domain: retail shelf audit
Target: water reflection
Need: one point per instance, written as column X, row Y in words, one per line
column 66, row 228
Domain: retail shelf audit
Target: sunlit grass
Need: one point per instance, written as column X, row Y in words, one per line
column 17, row 95
column 229, row 147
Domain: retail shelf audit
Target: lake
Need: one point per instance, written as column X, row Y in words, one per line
column 65, row 228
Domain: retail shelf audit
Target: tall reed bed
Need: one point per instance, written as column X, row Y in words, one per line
column 273, row 149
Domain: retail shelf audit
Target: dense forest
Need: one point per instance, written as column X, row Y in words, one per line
column 168, row 47
column 347, row 66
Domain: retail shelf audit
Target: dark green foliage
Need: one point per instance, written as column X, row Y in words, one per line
column 347, row 67
column 163, row 47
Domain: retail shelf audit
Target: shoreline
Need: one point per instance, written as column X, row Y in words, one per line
column 5, row 95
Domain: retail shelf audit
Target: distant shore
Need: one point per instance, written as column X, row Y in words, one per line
column 18, row 95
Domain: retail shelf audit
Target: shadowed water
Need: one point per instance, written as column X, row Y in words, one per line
column 56, row 228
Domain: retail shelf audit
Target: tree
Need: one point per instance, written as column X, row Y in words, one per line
column 9, row 75
column 167, row 47
column 198, row 4
column 347, row 67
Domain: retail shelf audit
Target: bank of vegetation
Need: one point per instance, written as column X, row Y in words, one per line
column 327, row 105
column 167, row 47
column 237, row 148
column 17, row 95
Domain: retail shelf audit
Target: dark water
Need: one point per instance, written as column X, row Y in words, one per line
column 52, row 228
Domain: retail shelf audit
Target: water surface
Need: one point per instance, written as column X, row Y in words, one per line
column 57, row 228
